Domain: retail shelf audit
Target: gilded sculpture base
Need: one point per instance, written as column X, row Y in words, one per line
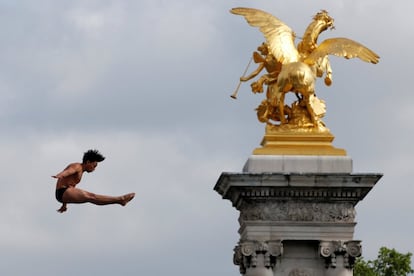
column 277, row 141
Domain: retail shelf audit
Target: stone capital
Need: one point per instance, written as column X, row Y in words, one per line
column 330, row 250
column 247, row 254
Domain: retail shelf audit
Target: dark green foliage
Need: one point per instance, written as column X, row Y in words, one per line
column 363, row 268
column 388, row 263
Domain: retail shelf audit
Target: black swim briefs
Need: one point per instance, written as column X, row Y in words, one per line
column 59, row 193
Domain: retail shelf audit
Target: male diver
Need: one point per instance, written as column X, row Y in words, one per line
column 66, row 191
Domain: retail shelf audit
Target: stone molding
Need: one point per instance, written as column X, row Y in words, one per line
column 298, row 164
column 349, row 188
column 246, row 254
column 302, row 193
column 348, row 249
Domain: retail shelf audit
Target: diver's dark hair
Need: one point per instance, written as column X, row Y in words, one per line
column 92, row 156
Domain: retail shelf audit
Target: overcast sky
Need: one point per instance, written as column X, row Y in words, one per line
column 148, row 83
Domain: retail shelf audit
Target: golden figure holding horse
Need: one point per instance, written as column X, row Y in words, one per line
column 292, row 68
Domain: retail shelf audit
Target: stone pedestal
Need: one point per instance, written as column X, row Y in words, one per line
column 297, row 214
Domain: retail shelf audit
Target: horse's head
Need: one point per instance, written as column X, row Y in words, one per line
column 323, row 17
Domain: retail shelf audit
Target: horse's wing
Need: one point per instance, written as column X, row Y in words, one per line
column 342, row 47
column 279, row 36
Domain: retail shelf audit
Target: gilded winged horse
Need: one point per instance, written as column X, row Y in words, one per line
column 301, row 65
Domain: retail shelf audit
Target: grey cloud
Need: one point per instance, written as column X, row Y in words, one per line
column 148, row 83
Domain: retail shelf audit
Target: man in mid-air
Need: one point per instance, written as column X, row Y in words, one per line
column 66, row 191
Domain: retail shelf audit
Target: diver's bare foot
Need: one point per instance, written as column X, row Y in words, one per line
column 126, row 198
column 62, row 209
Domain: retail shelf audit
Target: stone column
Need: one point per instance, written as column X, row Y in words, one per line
column 297, row 214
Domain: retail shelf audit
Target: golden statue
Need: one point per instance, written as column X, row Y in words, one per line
column 293, row 68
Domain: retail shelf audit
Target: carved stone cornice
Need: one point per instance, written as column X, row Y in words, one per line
column 246, row 254
column 348, row 249
column 322, row 187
